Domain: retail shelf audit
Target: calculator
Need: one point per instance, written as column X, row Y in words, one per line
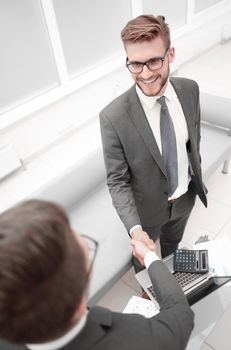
column 186, row 260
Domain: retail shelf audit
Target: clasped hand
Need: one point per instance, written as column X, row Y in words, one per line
column 141, row 245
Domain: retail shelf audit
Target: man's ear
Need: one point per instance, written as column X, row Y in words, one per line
column 80, row 310
column 171, row 54
column 83, row 304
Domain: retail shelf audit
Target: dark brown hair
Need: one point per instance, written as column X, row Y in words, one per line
column 146, row 28
column 42, row 272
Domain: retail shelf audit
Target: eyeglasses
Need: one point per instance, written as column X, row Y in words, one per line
column 92, row 251
column 152, row 64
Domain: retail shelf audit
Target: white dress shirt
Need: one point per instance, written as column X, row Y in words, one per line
column 61, row 342
column 152, row 111
column 149, row 258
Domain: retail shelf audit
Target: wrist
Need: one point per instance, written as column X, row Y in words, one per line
column 149, row 258
column 137, row 234
column 134, row 229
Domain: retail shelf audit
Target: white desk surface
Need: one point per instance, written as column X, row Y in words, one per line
column 208, row 311
column 211, row 310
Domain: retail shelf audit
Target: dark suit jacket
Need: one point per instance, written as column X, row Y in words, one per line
column 168, row 330
column 136, row 175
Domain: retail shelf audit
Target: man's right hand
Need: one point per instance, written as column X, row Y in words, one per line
column 139, row 235
column 140, row 249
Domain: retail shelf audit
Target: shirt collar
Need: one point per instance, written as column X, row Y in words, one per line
column 59, row 343
column 149, row 101
column 170, row 93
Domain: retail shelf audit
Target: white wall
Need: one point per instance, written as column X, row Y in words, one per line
column 35, row 127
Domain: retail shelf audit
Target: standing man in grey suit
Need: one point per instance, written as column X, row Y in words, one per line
column 45, row 274
column 137, row 174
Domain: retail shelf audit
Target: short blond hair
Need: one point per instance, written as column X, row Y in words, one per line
column 146, row 28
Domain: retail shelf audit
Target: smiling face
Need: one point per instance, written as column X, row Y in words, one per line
column 152, row 83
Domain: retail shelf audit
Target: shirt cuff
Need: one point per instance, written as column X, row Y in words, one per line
column 133, row 228
column 149, row 258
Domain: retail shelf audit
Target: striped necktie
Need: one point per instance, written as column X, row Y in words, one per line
column 169, row 150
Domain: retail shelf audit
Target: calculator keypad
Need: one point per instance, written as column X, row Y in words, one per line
column 185, row 260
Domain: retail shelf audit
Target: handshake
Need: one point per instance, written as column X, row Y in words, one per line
column 141, row 244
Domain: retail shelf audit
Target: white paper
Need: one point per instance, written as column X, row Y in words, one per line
column 141, row 306
column 219, row 253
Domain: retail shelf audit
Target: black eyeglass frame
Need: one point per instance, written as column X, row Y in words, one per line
column 161, row 59
column 96, row 245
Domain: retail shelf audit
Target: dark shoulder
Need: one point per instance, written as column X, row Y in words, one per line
column 100, row 315
column 184, row 82
column 9, row 346
column 118, row 105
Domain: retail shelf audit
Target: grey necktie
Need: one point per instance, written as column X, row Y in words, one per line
column 169, row 150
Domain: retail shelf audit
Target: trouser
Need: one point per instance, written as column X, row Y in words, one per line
column 171, row 231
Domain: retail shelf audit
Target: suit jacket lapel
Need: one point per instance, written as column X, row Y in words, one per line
column 98, row 321
column 91, row 334
column 138, row 117
column 185, row 104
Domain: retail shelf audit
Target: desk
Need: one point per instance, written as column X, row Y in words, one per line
column 209, row 310
column 207, row 313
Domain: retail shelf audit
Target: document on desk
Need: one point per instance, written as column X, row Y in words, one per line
column 219, row 255
column 141, row 306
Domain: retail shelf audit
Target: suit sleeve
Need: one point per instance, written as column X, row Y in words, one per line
column 198, row 119
column 198, row 128
column 173, row 325
column 118, row 175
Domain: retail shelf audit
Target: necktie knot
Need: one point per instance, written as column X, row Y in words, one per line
column 161, row 100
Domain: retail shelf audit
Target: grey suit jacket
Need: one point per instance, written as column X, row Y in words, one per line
column 168, row 330
column 136, row 175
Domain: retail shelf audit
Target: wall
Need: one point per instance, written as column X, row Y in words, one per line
column 66, row 115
